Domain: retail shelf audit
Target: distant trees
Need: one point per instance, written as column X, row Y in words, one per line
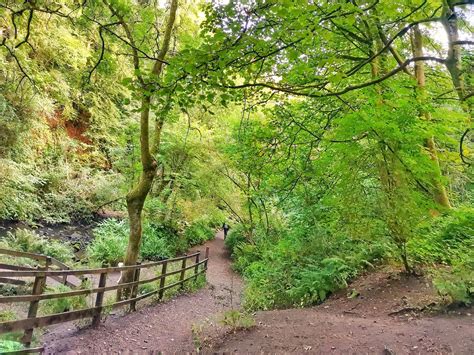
column 350, row 106
column 370, row 85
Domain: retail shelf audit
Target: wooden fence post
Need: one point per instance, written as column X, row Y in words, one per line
column 38, row 288
column 162, row 281
column 99, row 299
column 196, row 268
column 136, row 278
column 183, row 272
column 206, row 256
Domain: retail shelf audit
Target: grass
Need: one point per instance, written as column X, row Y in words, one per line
column 12, row 341
column 237, row 320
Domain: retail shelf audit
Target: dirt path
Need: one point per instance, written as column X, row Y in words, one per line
column 162, row 327
column 321, row 332
column 380, row 317
column 383, row 318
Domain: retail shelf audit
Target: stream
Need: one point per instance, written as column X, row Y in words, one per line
column 77, row 234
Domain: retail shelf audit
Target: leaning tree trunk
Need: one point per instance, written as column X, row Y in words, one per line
column 137, row 196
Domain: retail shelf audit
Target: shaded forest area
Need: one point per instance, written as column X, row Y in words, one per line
column 335, row 137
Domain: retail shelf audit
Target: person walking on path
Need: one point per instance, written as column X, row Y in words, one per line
column 226, row 228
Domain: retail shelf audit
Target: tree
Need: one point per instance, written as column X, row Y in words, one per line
column 145, row 90
column 343, row 55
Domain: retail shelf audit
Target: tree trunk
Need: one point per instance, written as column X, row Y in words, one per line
column 391, row 179
column 454, row 60
column 440, row 193
column 136, row 197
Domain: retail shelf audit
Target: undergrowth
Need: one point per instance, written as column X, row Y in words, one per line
column 445, row 247
column 291, row 270
column 237, row 320
column 159, row 241
column 64, row 304
column 300, row 266
column 28, row 241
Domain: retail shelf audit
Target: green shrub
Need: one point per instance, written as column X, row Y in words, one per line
column 198, row 232
column 18, row 197
column 446, row 239
column 237, row 320
column 155, row 242
column 111, row 239
column 456, row 287
column 236, row 237
column 109, row 243
column 212, row 218
column 456, row 284
column 195, row 284
column 10, row 345
column 154, row 208
column 7, row 315
column 60, row 305
column 29, row 241
column 315, row 282
column 147, row 288
column 244, row 255
column 37, row 192
column 303, row 267
column 15, row 290
column 10, row 341
column 86, row 189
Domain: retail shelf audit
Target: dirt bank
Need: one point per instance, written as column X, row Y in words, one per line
column 388, row 316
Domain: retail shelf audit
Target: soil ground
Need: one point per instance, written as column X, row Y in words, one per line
column 386, row 314
column 161, row 327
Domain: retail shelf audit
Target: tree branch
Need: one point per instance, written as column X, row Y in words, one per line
column 343, row 91
column 461, row 150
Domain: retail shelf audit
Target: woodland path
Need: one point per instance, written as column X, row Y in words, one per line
column 164, row 326
column 382, row 319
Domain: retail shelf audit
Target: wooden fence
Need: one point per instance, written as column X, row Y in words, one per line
column 48, row 262
column 15, row 275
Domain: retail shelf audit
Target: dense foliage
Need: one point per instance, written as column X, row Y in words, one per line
column 332, row 135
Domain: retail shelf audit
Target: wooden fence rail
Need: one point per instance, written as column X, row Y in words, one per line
column 42, row 273
column 41, row 259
